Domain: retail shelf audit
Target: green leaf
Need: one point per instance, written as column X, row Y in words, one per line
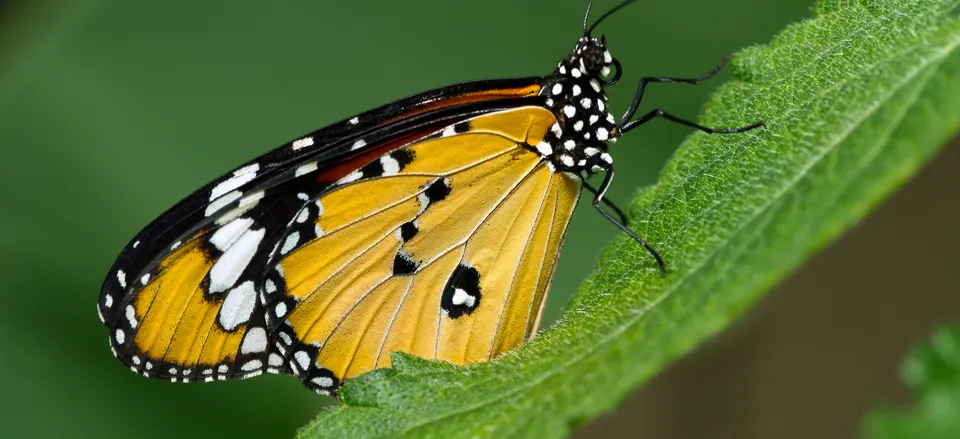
column 932, row 371
column 856, row 100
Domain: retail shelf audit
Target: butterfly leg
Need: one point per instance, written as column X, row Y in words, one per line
column 626, row 124
column 619, row 212
column 607, row 178
column 660, row 113
column 642, row 85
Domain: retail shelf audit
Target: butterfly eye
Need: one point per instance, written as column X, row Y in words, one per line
column 616, row 71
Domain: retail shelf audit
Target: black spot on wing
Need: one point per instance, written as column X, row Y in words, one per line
column 437, row 191
column 462, row 127
column 408, row 230
column 372, row 169
column 403, row 157
column 403, row 264
column 461, row 295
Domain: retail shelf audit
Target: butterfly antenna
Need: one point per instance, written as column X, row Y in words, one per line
column 616, row 8
column 586, row 18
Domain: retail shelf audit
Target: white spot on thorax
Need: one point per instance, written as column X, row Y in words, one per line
column 602, row 134
column 594, row 118
column 240, row 177
column 566, row 160
column 595, row 85
column 231, row 264
column 557, row 89
column 569, row 144
column 569, row 110
column 302, row 143
column 578, row 125
column 135, row 244
column 238, row 306
column 576, row 90
column 585, row 103
column 556, row 130
column 544, row 148
column 591, row 151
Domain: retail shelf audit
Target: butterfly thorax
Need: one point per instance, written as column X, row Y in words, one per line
column 574, row 92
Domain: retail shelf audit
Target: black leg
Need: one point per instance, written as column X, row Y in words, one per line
column 593, row 190
column 644, row 81
column 660, row 113
column 607, row 178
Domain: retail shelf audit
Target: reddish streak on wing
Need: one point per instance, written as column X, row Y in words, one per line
column 371, row 152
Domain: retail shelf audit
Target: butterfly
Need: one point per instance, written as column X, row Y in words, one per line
column 430, row 226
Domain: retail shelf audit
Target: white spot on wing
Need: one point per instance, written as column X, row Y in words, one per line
column 290, row 242
column 108, row 301
column 251, row 365
column 358, row 144
column 120, row 336
column 306, row 169
column 351, row 177
column 145, row 279
column 460, row 297
column 238, row 306
column 354, row 121
column 274, row 360
column 239, row 178
column 302, row 143
column 221, row 202
column 131, row 316
column 225, row 236
column 322, row 381
column 254, row 341
column 231, row 264
column 390, row 165
column 303, row 359
column 122, row 278
column 569, row 110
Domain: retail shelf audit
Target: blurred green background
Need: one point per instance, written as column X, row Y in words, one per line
column 111, row 111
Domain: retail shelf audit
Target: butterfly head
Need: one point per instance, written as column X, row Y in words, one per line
column 594, row 58
column 577, row 143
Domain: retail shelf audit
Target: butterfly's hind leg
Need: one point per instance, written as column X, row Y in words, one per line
column 607, row 178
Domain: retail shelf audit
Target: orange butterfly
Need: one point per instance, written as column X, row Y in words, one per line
column 429, row 226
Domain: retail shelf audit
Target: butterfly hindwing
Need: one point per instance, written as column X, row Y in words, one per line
column 442, row 248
